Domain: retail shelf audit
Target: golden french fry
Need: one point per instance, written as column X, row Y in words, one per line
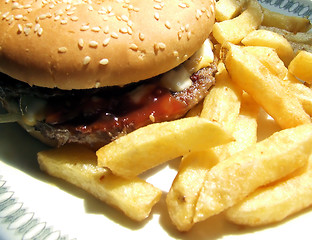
column 234, row 30
column 275, row 202
column 182, row 197
column 77, row 165
column 147, row 147
column 233, row 179
column 222, row 104
column 300, row 91
column 245, row 131
column 295, row 88
column 265, row 88
column 289, row 23
column 301, row 66
column 271, row 39
column 183, row 194
column 269, row 58
column 298, row 41
column 228, row 9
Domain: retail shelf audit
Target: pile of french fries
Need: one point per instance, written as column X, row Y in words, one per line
column 265, row 64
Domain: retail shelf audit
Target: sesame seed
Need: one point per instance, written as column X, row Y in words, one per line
column 90, row 8
column 26, row 6
column 19, row 28
column 188, row 35
column 59, row 12
column 168, row 24
column 106, row 29
column 129, row 30
column 114, row 35
column 104, row 61
column 42, row 17
column 18, row 17
column 179, row 35
column 109, row 9
column 187, row 27
column 161, row 46
column 141, row 36
column 93, row 44
column 15, row 6
column 133, row 47
column 84, row 28
column 64, row 21
column 156, row 16
column 123, row 30
column 136, row 9
column 36, row 28
column 175, row 53
column 4, row 15
column 130, row 23
column 70, row 13
column 152, row 118
column 124, row 18
column 27, row 31
column 58, row 17
column 86, row 60
column 157, row 7
column 156, row 47
column 118, row 18
column 106, row 41
column 182, row 5
column 40, row 30
column 198, row 14
column 97, row 85
column 80, row 43
column 29, row 25
column 95, row 29
column 74, row 18
column 62, row 50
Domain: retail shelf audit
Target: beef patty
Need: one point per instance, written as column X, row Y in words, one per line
column 87, row 116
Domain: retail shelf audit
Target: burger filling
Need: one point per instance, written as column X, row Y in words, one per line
column 97, row 116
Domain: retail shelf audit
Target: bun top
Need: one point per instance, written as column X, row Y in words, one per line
column 79, row 44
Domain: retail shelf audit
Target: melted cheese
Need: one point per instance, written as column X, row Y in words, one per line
column 178, row 78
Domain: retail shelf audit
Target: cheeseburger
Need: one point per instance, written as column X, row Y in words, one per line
column 89, row 71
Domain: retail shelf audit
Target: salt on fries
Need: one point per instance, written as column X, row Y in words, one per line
column 223, row 166
column 78, row 165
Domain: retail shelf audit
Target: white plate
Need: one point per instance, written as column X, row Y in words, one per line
column 36, row 206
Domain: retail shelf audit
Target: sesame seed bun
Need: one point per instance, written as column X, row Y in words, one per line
column 84, row 44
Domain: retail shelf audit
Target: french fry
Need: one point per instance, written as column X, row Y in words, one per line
column 289, row 23
column 269, row 58
column 271, row 39
column 230, row 181
column 300, row 91
column 183, row 194
column 301, row 66
column 222, row 104
column 245, row 131
column 228, row 9
column 265, row 88
column 275, row 202
column 234, row 30
column 147, row 147
column 298, row 41
column 77, row 165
